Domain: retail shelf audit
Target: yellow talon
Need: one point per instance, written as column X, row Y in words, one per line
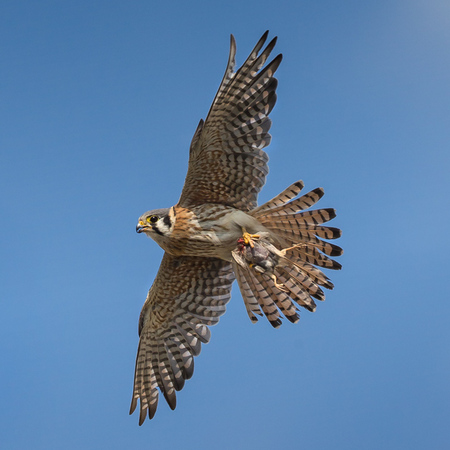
column 248, row 238
column 285, row 250
column 279, row 286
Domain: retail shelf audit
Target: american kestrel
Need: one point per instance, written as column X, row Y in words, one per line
column 216, row 233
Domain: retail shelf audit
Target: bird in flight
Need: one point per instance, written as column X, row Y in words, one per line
column 216, row 233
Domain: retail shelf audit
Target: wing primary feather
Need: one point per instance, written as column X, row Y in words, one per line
column 237, row 123
column 188, row 294
column 228, row 166
column 229, row 72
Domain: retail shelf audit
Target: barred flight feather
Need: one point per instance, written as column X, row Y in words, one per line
column 237, row 124
column 309, row 239
column 313, row 256
column 299, row 228
column 176, row 364
column 265, row 300
column 227, row 169
column 244, row 75
column 280, row 298
column 281, row 199
column 174, row 325
column 314, row 273
column 250, row 301
column 314, row 217
column 297, row 277
column 303, row 281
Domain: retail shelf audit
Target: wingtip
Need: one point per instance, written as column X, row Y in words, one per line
column 133, row 406
column 142, row 416
column 272, row 43
column 299, row 185
column 171, row 399
column 278, row 60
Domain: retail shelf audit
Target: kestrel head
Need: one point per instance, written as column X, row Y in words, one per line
column 158, row 221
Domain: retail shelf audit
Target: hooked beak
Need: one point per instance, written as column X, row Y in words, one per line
column 141, row 226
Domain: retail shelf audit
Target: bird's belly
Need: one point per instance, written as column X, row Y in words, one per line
column 214, row 232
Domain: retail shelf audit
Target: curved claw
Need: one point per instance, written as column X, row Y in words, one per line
column 248, row 238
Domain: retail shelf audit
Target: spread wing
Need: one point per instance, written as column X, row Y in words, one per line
column 188, row 294
column 226, row 162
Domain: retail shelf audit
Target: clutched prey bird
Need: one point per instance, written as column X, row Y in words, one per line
column 216, row 233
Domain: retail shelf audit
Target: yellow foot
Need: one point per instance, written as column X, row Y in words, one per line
column 285, row 250
column 248, row 238
column 279, row 286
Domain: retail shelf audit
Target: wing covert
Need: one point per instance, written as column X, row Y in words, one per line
column 226, row 162
column 188, row 294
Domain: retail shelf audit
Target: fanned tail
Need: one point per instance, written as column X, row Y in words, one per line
column 274, row 278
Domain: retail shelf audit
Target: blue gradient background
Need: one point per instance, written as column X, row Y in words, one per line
column 99, row 101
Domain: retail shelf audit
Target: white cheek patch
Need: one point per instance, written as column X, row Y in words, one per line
column 162, row 228
column 165, row 225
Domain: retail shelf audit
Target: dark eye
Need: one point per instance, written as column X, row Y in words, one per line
column 153, row 219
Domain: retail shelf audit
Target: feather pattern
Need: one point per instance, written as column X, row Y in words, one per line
column 281, row 199
column 265, row 298
column 227, row 164
column 276, row 273
column 292, row 275
column 247, row 290
column 174, row 323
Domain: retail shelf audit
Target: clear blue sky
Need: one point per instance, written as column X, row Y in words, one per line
column 99, row 101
